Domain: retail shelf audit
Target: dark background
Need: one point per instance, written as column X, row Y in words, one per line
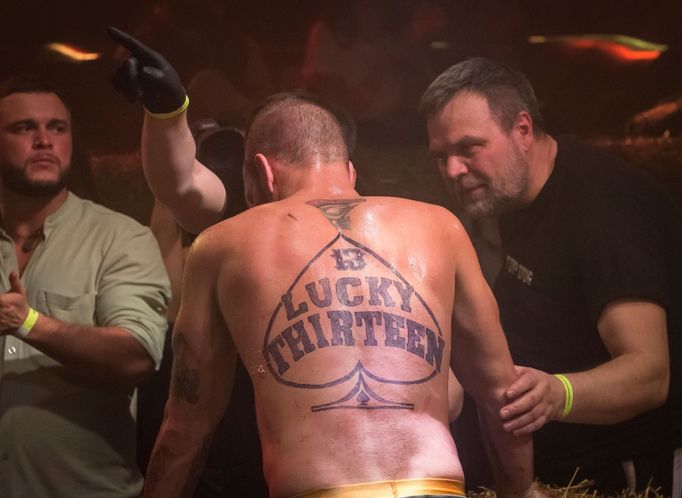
column 582, row 91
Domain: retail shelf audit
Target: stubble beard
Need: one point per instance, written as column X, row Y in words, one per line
column 502, row 193
column 16, row 180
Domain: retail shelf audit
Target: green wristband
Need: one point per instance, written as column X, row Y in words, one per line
column 28, row 324
column 172, row 114
column 568, row 388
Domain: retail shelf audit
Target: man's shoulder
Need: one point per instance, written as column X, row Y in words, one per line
column 594, row 178
column 601, row 170
column 392, row 213
column 95, row 220
column 383, row 210
column 412, row 208
column 103, row 217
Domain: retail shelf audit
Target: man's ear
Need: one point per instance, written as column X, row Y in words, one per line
column 523, row 129
column 352, row 174
column 265, row 175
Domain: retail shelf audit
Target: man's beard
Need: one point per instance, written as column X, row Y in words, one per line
column 502, row 192
column 15, row 180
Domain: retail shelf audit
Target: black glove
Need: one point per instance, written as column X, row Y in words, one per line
column 147, row 76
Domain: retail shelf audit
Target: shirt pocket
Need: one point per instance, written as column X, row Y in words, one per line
column 77, row 310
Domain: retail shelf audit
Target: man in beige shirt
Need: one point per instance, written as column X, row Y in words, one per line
column 83, row 297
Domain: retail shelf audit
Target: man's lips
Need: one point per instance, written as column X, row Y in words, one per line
column 44, row 158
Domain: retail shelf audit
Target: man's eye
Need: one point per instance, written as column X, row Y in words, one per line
column 22, row 128
column 59, row 128
column 469, row 150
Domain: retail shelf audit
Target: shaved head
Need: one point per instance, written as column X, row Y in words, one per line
column 297, row 129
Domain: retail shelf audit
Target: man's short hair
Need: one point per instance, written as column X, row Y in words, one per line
column 29, row 83
column 507, row 91
column 297, row 127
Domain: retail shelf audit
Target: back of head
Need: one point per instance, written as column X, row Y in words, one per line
column 507, row 91
column 297, row 129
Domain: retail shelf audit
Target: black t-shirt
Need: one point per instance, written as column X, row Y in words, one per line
column 599, row 230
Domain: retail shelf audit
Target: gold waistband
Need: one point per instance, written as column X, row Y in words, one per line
column 391, row 489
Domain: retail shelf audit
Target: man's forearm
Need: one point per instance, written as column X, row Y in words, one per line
column 107, row 354
column 168, row 151
column 192, row 192
column 511, row 457
column 613, row 392
column 634, row 380
column 618, row 390
column 176, row 463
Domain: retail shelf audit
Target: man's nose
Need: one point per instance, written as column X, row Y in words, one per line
column 455, row 167
column 42, row 138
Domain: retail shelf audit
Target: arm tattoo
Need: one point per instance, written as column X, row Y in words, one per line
column 337, row 211
column 185, row 381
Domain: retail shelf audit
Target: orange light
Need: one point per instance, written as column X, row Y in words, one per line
column 620, row 47
column 615, row 50
column 72, row 53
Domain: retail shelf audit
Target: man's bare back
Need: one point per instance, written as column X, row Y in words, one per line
column 341, row 308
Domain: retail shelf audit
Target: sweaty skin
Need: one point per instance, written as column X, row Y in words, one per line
column 340, row 307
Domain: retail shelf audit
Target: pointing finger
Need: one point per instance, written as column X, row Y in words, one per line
column 134, row 46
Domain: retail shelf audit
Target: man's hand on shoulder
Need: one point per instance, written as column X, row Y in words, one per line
column 147, row 76
column 535, row 398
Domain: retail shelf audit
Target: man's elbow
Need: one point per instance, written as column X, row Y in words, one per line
column 655, row 392
column 196, row 209
column 139, row 370
column 136, row 371
column 660, row 388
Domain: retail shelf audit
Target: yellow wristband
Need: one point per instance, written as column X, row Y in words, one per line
column 172, row 114
column 568, row 388
column 28, row 324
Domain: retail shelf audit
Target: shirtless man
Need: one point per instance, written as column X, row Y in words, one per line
column 346, row 311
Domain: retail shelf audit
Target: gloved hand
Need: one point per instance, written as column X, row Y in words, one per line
column 147, row 76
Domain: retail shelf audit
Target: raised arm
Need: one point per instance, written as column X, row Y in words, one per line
column 203, row 371
column 192, row 192
column 482, row 362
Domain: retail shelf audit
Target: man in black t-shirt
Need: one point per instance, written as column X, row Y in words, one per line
column 589, row 287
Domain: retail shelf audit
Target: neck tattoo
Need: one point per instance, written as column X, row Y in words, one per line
column 33, row 240
column 336, row 210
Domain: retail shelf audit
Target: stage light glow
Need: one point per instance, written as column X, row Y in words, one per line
column 620, row 47
column 71, row 52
